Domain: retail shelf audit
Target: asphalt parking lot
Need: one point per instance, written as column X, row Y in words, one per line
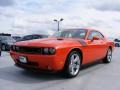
column 98, row 76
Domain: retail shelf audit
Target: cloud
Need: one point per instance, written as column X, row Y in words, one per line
column 108, row 5
column 102, row 5
column 4, row 3
column 36, row 16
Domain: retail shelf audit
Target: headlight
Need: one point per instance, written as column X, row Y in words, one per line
column 14, row 48
column 49, row 50
column 52, row 50
column 46, row 50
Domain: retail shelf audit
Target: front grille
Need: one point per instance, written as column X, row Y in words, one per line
column 27, row 50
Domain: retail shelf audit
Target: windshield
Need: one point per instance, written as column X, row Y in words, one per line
column 81, row 33
column 9, row 39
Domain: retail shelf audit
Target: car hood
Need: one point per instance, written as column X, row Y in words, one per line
column 49, row 42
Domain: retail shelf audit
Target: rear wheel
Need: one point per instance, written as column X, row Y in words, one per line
column 108, row 57
column 73, row 64
column 117, row 45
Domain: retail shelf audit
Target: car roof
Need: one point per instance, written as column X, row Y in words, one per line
column 34, row 35
column 86, row 29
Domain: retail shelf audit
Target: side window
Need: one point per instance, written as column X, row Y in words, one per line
column 100, row 35
column 92, row 34
column 95, row 33
column 27, row 37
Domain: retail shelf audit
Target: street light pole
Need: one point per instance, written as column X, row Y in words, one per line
column 58, row 22
column 58, row 25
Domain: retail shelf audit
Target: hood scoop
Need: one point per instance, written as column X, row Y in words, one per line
column 59, row 38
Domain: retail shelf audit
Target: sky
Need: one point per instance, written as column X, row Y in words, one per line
column 36, row 16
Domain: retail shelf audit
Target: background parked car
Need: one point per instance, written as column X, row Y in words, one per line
column 117, row 42
column 34, row 36
column 17, row 38
column 0, row 47
column 6, row 42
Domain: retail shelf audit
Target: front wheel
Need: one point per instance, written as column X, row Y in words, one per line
column 108, row 57
column 3, row 48
column 73, row 64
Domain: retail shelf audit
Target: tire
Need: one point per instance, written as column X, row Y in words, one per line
column 108, row 57
column 3, row 47
column 118, row 45
column 72, row 65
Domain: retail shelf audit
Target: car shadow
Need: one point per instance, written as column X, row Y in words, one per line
column 91, row 67
column 23, row 76
column 18, row 75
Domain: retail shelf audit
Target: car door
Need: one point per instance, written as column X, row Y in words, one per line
column 94, row 48
column 102, row 45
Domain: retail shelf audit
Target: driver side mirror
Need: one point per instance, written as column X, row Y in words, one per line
column 95, row 38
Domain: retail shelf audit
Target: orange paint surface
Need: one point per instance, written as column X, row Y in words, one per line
column 91, row 50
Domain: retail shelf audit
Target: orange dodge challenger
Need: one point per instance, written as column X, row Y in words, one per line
column 65, row 51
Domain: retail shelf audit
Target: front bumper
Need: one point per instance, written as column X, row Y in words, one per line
column 41, row 62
